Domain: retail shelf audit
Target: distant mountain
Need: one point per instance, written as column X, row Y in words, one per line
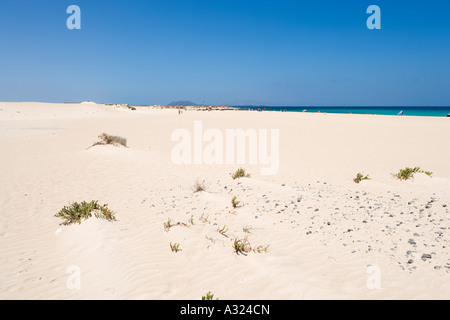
column 182, row 103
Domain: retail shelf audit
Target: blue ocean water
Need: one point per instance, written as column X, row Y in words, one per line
column 407, row 111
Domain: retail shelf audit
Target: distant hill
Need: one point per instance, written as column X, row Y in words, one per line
column 182, row 103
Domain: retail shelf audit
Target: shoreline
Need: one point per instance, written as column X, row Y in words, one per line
column 317, row 110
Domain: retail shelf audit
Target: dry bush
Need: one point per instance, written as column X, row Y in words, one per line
column 199, row 186
column 107, row 139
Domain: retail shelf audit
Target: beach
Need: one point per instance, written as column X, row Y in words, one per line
column 314, row 232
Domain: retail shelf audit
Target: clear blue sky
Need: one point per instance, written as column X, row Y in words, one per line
column 234, row 52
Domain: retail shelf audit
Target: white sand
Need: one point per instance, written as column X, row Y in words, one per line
column 320, row 247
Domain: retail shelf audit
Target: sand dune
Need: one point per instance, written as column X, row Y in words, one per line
column 327, row 236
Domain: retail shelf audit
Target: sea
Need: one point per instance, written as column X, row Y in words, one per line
column 405, row 111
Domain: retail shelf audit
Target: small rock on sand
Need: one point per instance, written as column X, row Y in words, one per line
column 426, row 256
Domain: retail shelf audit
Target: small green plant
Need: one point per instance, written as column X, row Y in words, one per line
column 407, row 173
column 113, row 140
column 204, row 219
column 131, row 107
column 240, row 173
column 175, row 247
column 75, row 212
column 199, row 186
column 242, row 246
column 234, row 202
column 247, row 229
column 168, row 225
column 360, row 177
column 191, row 220
column 223, row 231
column 209, row 296
column 261, row 249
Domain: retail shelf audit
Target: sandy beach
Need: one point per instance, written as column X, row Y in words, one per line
column 320, row 235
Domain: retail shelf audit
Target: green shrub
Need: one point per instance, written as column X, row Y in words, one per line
column 240, row 173
column 234, row 202
column 75, row 212
column 175, row 247
column 360, row 177
column 209, row 296
column 168, row 225
column 242, row 246
column 407, row 173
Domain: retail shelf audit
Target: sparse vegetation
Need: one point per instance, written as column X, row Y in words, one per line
column 175, row 247
column 199, row 186
column 131, row 107
column 204, row 219
column 223, row 231
column 261, row 249
column 75, row 212
column 242, row 246
column 234, row 202
column 107, row 139
column 191, row 220
column 247, row 229
column 169, row 224
column 407, row 173
column 240, row 173
column 209, row 296
column 360, row 177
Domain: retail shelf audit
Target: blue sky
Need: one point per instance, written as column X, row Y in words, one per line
column 307, row 53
